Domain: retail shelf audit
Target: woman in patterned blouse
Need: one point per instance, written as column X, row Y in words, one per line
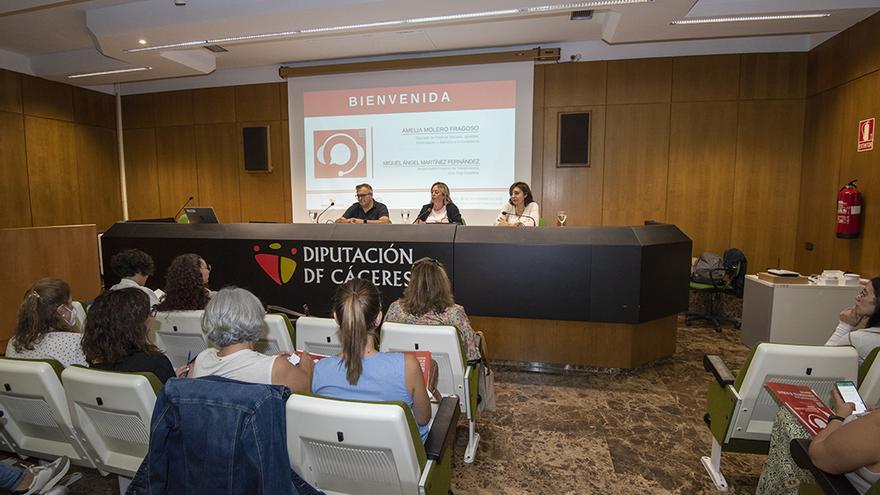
column 427, row 300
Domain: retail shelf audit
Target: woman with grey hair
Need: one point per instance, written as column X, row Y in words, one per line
column 233, row 323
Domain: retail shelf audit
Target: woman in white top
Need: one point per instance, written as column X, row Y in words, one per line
column 233, row 322
column 521, row 210
column 865, row 307
column 46, row 325
column 441, row 209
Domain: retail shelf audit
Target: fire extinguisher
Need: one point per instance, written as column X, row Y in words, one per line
column 849, row 211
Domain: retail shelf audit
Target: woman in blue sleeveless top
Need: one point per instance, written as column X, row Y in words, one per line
column 361, row 372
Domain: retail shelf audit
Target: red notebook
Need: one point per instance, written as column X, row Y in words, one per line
column 424, row 359
column 803, row 403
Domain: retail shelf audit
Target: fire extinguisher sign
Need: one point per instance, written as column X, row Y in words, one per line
column 866, row 135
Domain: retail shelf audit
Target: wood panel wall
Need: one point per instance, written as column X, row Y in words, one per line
column 36, row 254
column 189, row 143
column 843, row 86
column 59, row 163
column 710, row 143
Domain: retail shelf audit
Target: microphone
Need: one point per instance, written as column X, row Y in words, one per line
column 507, row 214
column 318, row 218
column 182, row 207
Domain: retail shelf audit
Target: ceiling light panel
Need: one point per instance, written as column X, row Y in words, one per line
column 397, row 22
column 108, row 72
column 749, row 18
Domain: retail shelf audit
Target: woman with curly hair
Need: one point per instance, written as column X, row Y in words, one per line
column 46, row 325
column 186, row 284
column 116, row 335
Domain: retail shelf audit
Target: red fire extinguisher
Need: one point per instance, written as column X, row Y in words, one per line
column 849, row 211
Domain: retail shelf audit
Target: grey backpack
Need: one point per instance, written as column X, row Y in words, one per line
column 709, row 269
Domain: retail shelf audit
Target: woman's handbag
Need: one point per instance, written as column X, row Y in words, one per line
column 486, row 380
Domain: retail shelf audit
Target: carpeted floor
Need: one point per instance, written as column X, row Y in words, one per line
column 599, row 432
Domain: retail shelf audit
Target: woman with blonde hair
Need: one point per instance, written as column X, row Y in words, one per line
column 360, row 371
column 46, row 326
column 427, row 300
column 441, row 209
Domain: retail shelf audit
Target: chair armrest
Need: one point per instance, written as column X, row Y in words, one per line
column 715, row 365
column 835, row 484
column 442, row 432
column 293, row 315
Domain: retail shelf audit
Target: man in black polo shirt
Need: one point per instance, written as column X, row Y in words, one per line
column 365, row 210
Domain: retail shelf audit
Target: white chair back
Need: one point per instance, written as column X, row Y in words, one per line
column 345, row 447
column 113, row 412
column 180, row 335
column 817, row 367
column 318, row 335
column 445, row 345
column 276, row 336
column 869, row 389
column 80, row 311
column 36, row 418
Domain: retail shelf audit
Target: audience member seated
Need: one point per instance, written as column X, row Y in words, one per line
column 521, row 210
column 186, row 284
column 46, row 325
column 441, row 209
column 427, row 300
column 35, row 479
column 361, row 372
column 848, row 445
column 233, row 322
column 865, row 307
column 116, row 335
column 134, row 267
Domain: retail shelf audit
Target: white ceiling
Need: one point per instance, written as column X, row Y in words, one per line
column 59, row 38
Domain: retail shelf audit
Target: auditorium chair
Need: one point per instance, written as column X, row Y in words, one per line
column 740, row 411
column 180, row 335
column 456, row 376
column 869, row 378
column 369, row 448
column 278, row 335
column 111, row 413
column 318, row 336
column 36, row 417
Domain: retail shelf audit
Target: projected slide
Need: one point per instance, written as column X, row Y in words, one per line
column 401, row 139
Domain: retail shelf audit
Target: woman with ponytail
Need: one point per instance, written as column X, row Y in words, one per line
column 361, row 372
column 46, row 325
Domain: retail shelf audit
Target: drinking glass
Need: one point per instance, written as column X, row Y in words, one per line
column 404, row 216
column 314, row 216
column 561, row 217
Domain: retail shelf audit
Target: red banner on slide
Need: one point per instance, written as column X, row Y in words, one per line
column 407, row 99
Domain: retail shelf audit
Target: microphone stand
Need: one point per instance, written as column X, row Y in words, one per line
column 182, row 207
column 318, row 218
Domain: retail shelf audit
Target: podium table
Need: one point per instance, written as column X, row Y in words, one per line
column 589, row 277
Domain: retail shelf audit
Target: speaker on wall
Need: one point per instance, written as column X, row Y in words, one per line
column 256, row 149
column 574, row 140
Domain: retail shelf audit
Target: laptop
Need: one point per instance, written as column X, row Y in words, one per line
column 201, row 214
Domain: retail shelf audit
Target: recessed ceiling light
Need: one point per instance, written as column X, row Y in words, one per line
column 749, row 18
column 107, row 72
column 398, row 22
column 142, row 41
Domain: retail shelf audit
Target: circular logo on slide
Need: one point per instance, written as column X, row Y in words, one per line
column 340, row 153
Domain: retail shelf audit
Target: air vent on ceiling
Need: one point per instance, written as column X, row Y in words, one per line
column 216, row 48
column 582, row 15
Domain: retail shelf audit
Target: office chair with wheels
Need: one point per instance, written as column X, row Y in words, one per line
column 714, row 282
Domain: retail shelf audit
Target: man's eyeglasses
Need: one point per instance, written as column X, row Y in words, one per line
column 362, row 196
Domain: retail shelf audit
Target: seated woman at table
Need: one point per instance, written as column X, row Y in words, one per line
column 865, row 310
column 233, row 323
column 186, row 284
column 116, row 336
column 441, row 209
column 360, row 371
column 848, row 445
column 46, row 327
column 427, row 300
column 521, row 210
